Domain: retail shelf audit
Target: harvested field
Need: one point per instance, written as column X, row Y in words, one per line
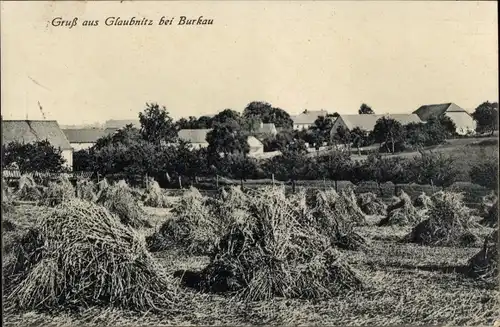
column 404, row 283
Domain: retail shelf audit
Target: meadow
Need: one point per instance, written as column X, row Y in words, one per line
column 143, row 257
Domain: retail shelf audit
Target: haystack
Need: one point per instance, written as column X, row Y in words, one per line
column 401, row 213
column 190, row 228
column 449, row 223
column 484, row 264
column 28, row 190
column 85, row 190
column 58, row 191
column 273, row 254
column 423, row 201
column 370, row 204
column 330, row 217
column 155, row 197
column 119, row 200
column 81, row 256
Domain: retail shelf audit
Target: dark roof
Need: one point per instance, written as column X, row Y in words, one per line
column 436, row 110
column 29, row 131
column 84, row 135
column 120, row 123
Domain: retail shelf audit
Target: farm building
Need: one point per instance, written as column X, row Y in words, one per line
column 267, row 129
column 28, row 131
column 84, row 138
column 197, row 138
column 463, row 120
column 307, row 118
column 367, row 122
column 120, row 123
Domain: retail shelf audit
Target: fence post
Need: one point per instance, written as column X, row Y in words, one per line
column 217, row 181
column 273, row 178
column 324, row 184
column 336, row 186
column 180, row 182
column 432, row 185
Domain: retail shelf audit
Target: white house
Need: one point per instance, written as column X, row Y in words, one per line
column 464, row 122
column 198, row 140
column 306, row 119
column 30, row 131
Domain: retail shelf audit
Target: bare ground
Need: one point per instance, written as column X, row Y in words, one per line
column 406, row 284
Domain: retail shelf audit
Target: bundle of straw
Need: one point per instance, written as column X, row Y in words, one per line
column 28, row 190
column 401, row 213
column 370, row 204
column 422, row 201
column 449, row 223
column 491, row 218
column 119, row 200
column 85, row 190
column 58, row 192
column 82, row 256
column 275, row 254
column 155, row 197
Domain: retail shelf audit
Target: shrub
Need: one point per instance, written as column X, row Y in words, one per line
column 81, row 256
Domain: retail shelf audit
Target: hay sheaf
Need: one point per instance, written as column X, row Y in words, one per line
column 190, row 228
column 423, row 201
column 119, row 200
column 370, row 204
column 449, row 223
column 275, row 254
column 330, row 217
column 57, row 192
column 155, row 197
column 401, row 212
column 86, row 190
column 80, row 255
column 484, row 265
column 28, row 190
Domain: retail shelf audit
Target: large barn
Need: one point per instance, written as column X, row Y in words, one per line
column 464, row 122
column 198, row 139
column 84, row 138
column 367, row 122
column 30, row 131
column 306, row 119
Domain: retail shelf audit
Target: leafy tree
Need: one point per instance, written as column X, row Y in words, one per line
column 156, row 125
column 83, row 160
column 228, row 117
column 382, row 170
column 266, row 113
column 336, row 166
column 486, row 117
column 184, row 161
column 360, row 138
column 278, row 142
column 343, row 136
column 241, row 167
column 389, row 132
column 39, row 156
column 365, row 110
column 321, row 130
column 192, row 122
column 448, row 125
column 227, row 139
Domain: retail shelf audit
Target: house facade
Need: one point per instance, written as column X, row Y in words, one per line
column 198, row 140
column 84, row 138
column 30, row 131
column 306, row 119
column 367, row 122
column 464, row 122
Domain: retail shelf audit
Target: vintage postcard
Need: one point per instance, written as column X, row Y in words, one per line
column 249, row 163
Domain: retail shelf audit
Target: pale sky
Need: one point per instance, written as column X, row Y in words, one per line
column 394, row 56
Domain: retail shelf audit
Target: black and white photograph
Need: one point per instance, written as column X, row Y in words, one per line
column 240, row 163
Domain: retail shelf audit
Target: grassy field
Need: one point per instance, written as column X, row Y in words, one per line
column 406, row 284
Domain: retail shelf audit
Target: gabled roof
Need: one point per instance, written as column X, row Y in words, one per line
column 434, row 110
column 308, row 117
column 268, row 128
column 194, row 135
column 120, row 123
column 29, row 131
column 367, row 122
column 254, row 142
column 84, row 135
